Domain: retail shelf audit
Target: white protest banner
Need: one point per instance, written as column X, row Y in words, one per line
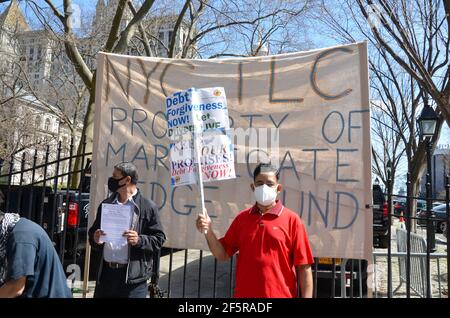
column 216, row 158
column 199, row 118
column 313, row 108
column 204, row 109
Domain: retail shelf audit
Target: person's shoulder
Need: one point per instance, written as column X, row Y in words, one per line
column 147, row 203
column 26, row 225
column 26, row 231
column 243, row 213
column 292, row 215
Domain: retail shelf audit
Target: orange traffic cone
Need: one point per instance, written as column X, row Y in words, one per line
column 402, row 221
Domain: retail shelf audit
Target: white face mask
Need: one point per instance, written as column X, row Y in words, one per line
column 265, row 195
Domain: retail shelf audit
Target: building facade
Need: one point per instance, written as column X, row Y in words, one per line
column 440, row 166
column 39, row 80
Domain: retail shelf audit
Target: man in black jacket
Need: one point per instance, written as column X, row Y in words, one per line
column 125, row 269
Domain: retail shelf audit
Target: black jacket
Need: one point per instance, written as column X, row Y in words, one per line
column 151, row 238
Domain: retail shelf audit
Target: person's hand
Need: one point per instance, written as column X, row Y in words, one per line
column 97, row 235
column 132, row 237
column 204, row 222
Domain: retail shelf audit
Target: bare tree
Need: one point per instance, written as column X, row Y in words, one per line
column 21, row 115
column 415, row 35
column 117, row 41
column 237, row 28
column 27, row 102
column 17, row 101
column 201, row 28
column 65, row 90
column 396, row 96
column 411, row 40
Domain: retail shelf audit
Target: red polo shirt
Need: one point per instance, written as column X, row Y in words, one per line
column 269, row 246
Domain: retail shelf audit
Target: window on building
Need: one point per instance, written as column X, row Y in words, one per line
column 26, row 139
column 47, row 124
column 161, row 45
column 38, row 122
column 36, row 76
column 170, row 36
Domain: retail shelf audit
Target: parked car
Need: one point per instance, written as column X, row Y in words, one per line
column 438, row 215
column 421, row 205
column 435, row 204
column 400, row 206
column 354, row 279
column 380, row 218
column 48, row 208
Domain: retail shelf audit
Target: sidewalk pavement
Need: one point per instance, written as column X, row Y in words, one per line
column 191, row 282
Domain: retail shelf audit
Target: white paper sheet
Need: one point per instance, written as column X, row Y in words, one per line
column 116, row 219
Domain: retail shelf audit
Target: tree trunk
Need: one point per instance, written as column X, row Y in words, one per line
column 88, row 134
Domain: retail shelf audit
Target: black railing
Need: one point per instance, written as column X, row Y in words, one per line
column 425, row 217
column 42, row 192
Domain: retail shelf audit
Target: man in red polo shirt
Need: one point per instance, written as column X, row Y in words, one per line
column 274, row 255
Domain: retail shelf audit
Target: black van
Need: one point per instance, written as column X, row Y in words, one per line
column 66, row 227
column 380, row 218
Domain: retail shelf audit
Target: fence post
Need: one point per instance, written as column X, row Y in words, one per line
column 55, row 191
column 169, row 280
column 69, row 174
column 80, row 190
column 447, row 201
column 184, row 272
column 11, row 169
column 31, row 195
column 200, row 273
column 389, row 202
column 333, row 280
column 44, row 183
column 430, row 232
column 316, row 268
column 231, row 276
column 19, row 194
column 215, row 277
column 408, row 235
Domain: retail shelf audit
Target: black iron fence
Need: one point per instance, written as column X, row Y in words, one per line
column 422, row 244
column 37, row 185
column 39, row 188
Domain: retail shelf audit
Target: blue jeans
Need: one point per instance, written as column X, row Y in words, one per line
column 112, row 285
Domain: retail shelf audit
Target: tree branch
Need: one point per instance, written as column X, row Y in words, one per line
column 129, row 31
column 176, row 28
column 115, row 27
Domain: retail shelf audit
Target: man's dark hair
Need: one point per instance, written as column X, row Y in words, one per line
column 128, row 170
column 266, row 167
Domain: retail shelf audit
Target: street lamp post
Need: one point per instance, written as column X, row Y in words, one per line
column 429, row 197
column 427, row 127
column 389, row 204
